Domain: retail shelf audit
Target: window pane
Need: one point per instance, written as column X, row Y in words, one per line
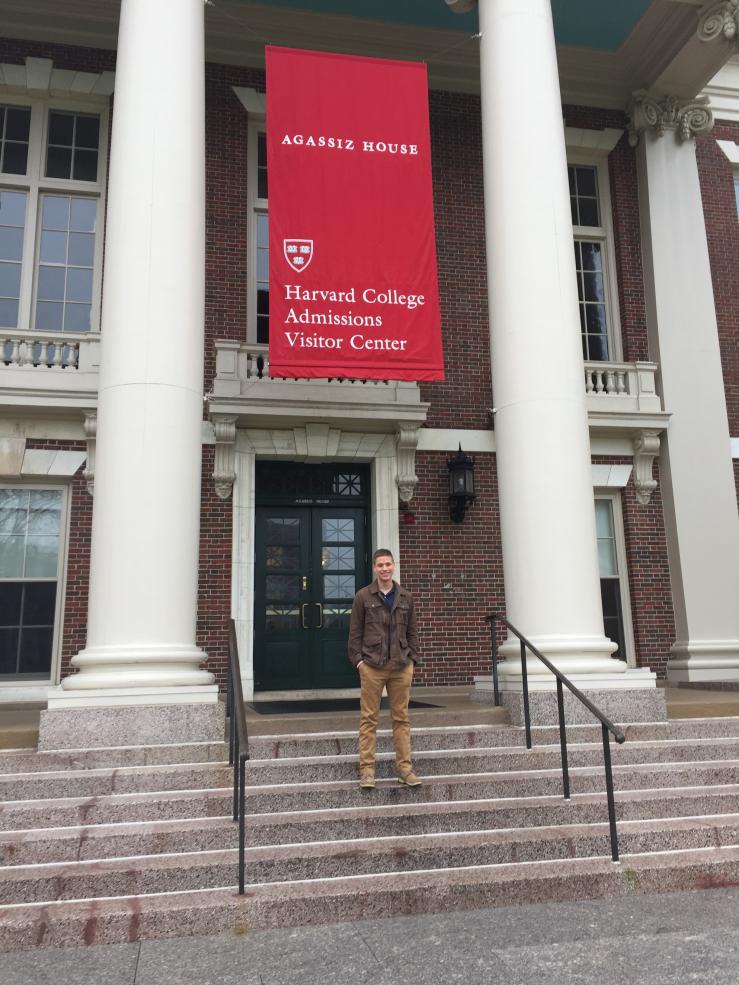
column 88, row 131
column 44, row 512
column 595, row 319
column 55, row 212
column 13, row 510
column 588, row 208
column 51, row 283
column 15, row 158
column 49, row 316
column 41, row 556
column 8, row 651
column 53, row 247
column 77, row 317
column 593, row 287
column 591, row 256
column 35, row 651
column 84, row 214
column 85, row 165
column 586, row 182
column 8, row 317
column 10, row 603
column 13, row 208
column 59, row 162
column 607, row 558
column 11, row 240
column 10, row 280
column 262, row 230
column 39, row 603
column 17, row 123
column 81, row 249
column 262, row 165
column 61, row 128
column 597, row 347
column 79, row 284
column 12, row 548
column 603, row 518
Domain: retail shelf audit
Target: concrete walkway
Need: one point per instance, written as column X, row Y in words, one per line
column 660, row 940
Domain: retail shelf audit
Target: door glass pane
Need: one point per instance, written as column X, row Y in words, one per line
column 338, row 586
column 333, row 531
column 336, row 616
column 283, row 530
column 279, row 619
column 282, row 588
column 283, row 557
column 337, row 558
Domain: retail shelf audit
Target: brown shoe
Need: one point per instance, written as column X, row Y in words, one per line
column 409, row 779
column 367, row 780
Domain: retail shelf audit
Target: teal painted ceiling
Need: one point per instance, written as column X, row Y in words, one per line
column 600, row 24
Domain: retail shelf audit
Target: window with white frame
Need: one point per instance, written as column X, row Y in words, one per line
column 614, row 589
column 52, row 164
column 594, row 260
column 258, row 329
column 31, row 554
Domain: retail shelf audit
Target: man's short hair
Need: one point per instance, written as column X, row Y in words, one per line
column 382, row 552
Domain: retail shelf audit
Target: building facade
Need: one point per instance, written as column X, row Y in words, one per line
column 155, row 480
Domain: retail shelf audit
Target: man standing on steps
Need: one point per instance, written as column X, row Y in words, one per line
column 383, row 646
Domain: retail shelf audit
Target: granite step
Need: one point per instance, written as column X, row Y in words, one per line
column 115, row 808
column 147, row 837
column 31, row 761
column 286, row 746
column 127, row 779
column 475, row 786
column 443, row 762
column 178, row 872
column 311, row 902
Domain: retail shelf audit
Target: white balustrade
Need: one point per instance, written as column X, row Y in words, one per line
column 238, row 363
column 612, row 386
column 40, row 352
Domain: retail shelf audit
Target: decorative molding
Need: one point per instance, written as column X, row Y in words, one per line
column 720, row 20
column 253, row 101
column 730, row 149
column 39, row 77
column 646, row 449
column 599, row 143
column 406, row 442
column 224, row 473
column 687, row 117
column 90, row 427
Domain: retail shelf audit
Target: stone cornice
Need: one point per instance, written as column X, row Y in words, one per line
column 686, row 117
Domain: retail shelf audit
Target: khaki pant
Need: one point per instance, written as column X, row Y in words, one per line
column 398, row 684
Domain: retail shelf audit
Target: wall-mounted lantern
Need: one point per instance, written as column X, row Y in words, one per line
column 461, row 485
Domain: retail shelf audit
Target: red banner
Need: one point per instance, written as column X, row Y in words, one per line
column 353, row 289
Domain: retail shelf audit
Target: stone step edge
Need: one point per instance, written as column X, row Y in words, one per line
column 333, row 814
column 300, row 903
column 329, row 785
column 378, row 845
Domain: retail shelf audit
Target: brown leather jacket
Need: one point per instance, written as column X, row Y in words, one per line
column 368, row 630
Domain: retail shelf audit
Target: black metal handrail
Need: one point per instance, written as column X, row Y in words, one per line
column 606, row 725
column 238, row 743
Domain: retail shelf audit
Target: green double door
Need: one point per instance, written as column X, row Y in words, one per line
column 310, row 561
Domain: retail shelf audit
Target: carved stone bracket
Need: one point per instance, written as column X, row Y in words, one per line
column 721, row 20
column 406, row 442
column 646, row 449
column 90, row 428
column 687, row 117
column 223, row 471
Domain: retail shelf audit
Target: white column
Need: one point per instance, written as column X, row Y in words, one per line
column 144, row 567
column 541, row 433
column 696, row 473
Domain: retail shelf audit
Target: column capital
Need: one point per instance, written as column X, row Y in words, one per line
column 720, row 20
column 686, row 117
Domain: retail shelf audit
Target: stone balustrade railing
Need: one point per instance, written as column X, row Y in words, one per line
column 622, row 386
column 236, row 361
column 49, row 351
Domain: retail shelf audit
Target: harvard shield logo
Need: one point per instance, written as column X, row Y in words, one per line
column 298, row 253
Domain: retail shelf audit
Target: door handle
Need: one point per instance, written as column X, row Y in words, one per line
column 303, row 607
column 320, row 615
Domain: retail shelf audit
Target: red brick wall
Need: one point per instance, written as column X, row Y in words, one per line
column 455, row 571
column 722, row 231
column 214, row 575
column 648, row 572
column 74, row 634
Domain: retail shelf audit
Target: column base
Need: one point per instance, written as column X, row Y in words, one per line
column 571, row 655
column 702, row 661
column 131, row 717
column 145, row 665
column 631, row 696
